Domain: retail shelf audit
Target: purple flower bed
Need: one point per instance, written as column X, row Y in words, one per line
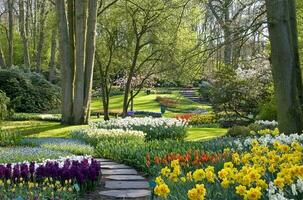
column 144, row 113
column 85, row 172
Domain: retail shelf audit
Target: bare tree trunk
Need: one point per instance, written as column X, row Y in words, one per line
column 43, row 15
column 66, row 61
column 52, row 62
column 294, row 35
column 2, row 60
column 90, row 56
column 10, row 61
column 80, row 37
column 23, row 33
column 284, row 66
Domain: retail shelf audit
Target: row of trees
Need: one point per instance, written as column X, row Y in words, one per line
column 135, row 41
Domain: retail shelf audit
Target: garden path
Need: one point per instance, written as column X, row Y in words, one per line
column 119, row 181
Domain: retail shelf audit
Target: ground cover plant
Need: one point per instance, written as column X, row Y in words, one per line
column 155, row 128
column 60, row 144
column 52, row 179
column 272, row 169
column 21, row 154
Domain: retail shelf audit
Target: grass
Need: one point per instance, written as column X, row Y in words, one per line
column 144, row 102
column 43, row 129
column 39, row 128
column 197, row 133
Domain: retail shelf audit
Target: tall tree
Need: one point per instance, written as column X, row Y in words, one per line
column 285, row 62
column 10, row 61
column 23, row 34
column 77, row 26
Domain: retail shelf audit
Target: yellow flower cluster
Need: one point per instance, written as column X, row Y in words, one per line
column 283, row 160
column 161, row 189
column 197, row 193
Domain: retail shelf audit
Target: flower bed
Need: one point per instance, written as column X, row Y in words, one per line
column 76, row 147
column 155, row 128
column 199, row 119
column 94, row 136
column 21, row 154
column 53, row 179
column 270, row 170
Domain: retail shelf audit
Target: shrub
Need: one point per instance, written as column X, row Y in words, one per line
column 36, row 117
column 29, row 92
column 167, row 102
column 5, row 110
column 228, row 122
column 202, row 119
column 155, row 128
column 237, row 131
column 8, row 138
column 143, row 114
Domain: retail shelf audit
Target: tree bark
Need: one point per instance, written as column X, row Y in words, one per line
column 52, row 62
column 23, row 33
column 66, row 61
column 90, row 56
column 43, row 15
column 2, row 60
column 10, row 61
column 80, row 38
column 284, row 66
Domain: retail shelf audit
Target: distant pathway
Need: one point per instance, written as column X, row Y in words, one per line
column 191, row 94
column 119, row 181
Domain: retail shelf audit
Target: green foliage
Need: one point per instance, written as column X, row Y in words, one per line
column 5, row 110
column 29, row 92
column 238, row 93
column 268, row 109
column 237, row 131
column 9, row 138
column 36, row 117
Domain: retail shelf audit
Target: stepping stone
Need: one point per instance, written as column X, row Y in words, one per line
column 103, row 160
column 119, row 172
column 118, row 185
column 125, row 178
column 117, row 166
column 126, row 194
column 109, row 163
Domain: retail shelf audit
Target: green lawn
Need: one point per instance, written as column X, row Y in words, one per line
column 144, row 102
column 55, row 129
column 197, row 133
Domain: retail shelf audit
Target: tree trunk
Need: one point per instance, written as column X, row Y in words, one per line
column 132, row 100
column 284, row 64
column 80, row 37
column 90, row 56
column 10, row 61
column 43, row 16
column 105, row 101
column 52, row 62
column 26, row 57
column 294, row 35
column 2, row 59
column 66, row 61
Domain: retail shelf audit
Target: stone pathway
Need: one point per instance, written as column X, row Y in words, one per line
column 120, row 181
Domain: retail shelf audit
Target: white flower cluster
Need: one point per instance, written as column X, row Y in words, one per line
column 267, row 123
column 129, row 122
column 95, row 133
column 268, row 139
column 274, row 193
